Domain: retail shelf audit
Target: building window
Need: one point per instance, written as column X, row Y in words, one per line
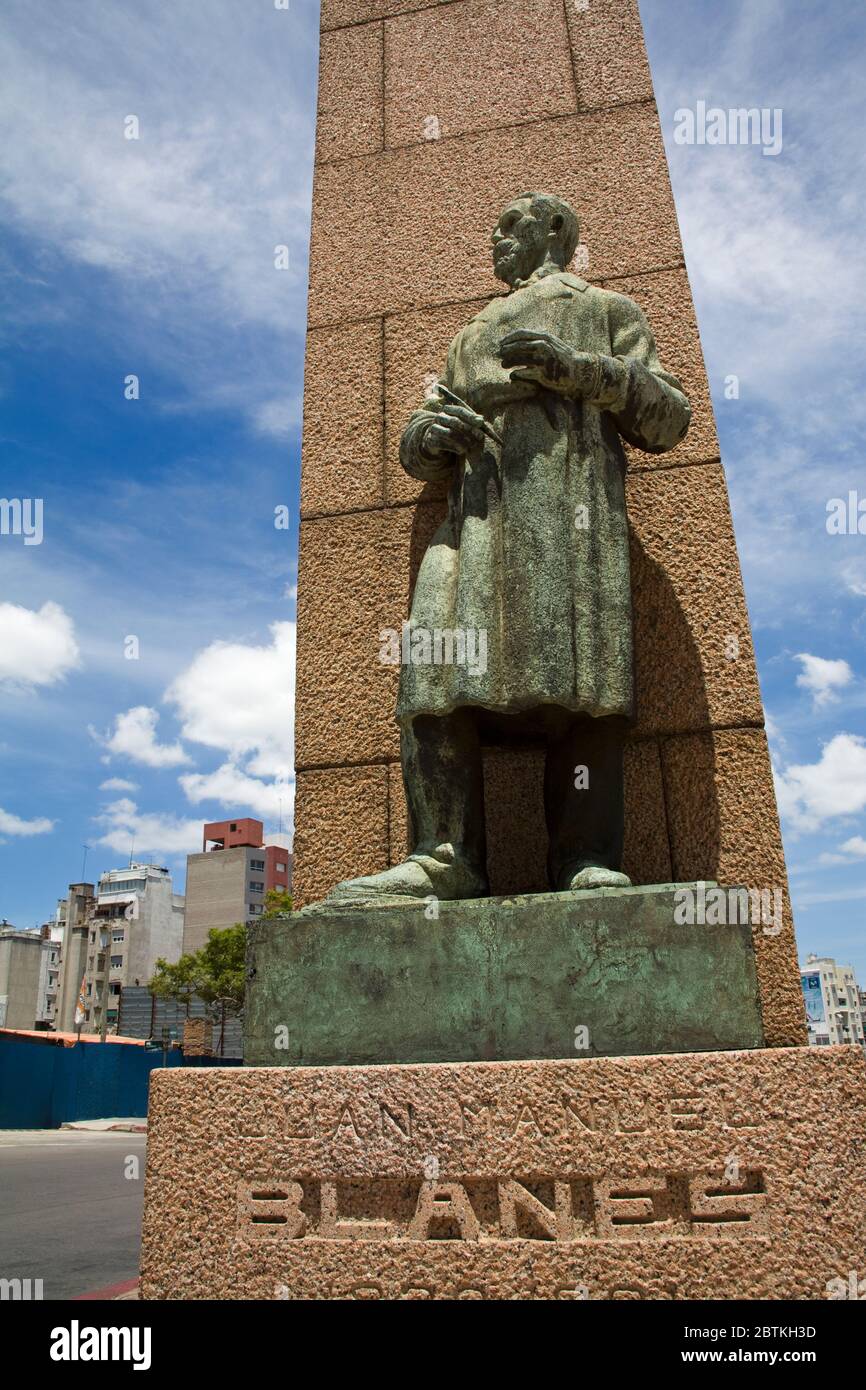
column 233, row 825
column 256, row 909
column 257, row 864
column 256, row 887
column 117, row 936
column 116, row 962
column 123, row 885
column 280, row 867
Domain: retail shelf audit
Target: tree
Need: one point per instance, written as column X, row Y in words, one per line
column 278, row 902
column 175, row 979
column 223, row 971
column 216, row 973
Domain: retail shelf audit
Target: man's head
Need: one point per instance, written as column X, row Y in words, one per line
column 532, row 229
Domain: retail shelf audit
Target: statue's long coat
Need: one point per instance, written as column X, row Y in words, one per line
column 534, row 549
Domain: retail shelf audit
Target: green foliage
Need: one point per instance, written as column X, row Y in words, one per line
column 175, row 980
column 222, row 964
column 216, row 973
column 277, row 902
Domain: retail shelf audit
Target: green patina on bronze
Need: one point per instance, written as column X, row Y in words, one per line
column 528, row 576
column 498, row 979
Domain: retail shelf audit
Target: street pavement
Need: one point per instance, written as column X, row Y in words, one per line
column 70, row 1208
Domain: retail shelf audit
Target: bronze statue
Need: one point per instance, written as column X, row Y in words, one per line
column 532, row 560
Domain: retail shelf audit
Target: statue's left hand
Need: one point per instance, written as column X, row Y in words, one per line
column 546, row 359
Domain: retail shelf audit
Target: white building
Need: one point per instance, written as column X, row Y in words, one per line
column 49, row 975
column 832, row 1002
column 136, row 918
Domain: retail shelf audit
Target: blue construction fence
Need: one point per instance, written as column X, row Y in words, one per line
column 43, row 1085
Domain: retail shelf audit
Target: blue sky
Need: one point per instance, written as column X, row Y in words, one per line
column 155, row 257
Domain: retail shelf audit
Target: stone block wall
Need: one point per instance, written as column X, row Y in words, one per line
column 432, row 116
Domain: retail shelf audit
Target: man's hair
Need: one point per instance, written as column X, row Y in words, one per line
column 548, row 206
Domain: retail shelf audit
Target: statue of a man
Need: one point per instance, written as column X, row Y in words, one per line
column 531, row 564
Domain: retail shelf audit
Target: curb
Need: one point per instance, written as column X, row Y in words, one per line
column 127, row 1288
column 86, row 1127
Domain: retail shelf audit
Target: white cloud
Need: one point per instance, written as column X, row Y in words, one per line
column 853, row 575
column 809, row 794
column 232, row 787
column 277, row 418
column 822, row 677
column 761, row 247
column 847, row 853
column 118, row 784
column 240, row 699
column 14, row 825
column 134, row 737
column 282, row 839
column 125, row 825
column 841, row 895
column 183, row 221
column 37, row 647
column 773, row 730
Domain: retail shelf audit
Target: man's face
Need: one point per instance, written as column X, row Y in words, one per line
column 519, row 242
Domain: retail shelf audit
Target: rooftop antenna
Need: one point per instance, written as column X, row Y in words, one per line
column 131, row 851
column 84, row 861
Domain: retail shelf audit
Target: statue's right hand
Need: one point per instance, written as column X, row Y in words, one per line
column 454, row 429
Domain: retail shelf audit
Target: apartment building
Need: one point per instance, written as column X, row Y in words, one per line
column 136, row 919
column 113, row 936
column 49, row 976
column 228, row 880
column 832, row 1001
column 20, row 961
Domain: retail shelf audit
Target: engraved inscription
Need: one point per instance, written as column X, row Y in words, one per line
column 360, row 1120
column 564, row 1208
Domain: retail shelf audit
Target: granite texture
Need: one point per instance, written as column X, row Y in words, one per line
column 350, row 117
column 724, row 824
column 345, row 808
column 341, row 464
column 380, row 243
column 474, row 66
column 497, row 979
column 687, row 611
column 716, row 1175
column 395, row 273
column 610, row 59
column 666, row 299
column 357, row 583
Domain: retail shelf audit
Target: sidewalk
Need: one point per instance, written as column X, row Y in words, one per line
column 134, row 1125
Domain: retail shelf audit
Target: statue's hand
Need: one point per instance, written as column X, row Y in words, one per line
column 546, row 359
column 455, row 429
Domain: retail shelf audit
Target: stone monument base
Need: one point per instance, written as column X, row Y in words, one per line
column 610, row 972
column 734, row 1175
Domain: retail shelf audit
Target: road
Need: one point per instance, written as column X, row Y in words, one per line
column 69, row 1215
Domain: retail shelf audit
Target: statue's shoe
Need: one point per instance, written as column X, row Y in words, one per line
column 594, row 876
column 419, row 876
